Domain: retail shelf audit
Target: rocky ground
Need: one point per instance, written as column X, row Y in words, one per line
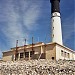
column 38, row 67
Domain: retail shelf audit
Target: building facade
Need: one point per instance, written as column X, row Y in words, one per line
column 53, row 51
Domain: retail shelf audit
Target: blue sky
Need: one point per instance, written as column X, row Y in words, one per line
column 20, row 19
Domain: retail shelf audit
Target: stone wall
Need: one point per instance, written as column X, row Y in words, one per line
column 38, row 67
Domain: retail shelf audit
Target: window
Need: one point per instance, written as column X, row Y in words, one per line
column 21, row 55
column 68, row 55
column 17, row 55
column 53, row 20
column 52, row 58
column 53, row 28
column 53, row 35
column 61, row 52
column 65, row 54
column 31, row 53
column 26, row 54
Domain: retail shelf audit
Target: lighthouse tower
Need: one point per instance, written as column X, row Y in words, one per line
column 56, row 22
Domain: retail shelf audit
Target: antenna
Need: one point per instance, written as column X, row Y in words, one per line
column 16, row 51
column 24, row 48
column 32, row 46
column 32, row 43
column 24, row 42
column 16, row 43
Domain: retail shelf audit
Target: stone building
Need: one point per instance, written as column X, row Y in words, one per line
column 39, row 50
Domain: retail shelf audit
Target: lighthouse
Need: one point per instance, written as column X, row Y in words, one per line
column 56, row 22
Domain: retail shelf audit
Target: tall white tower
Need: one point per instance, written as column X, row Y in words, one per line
column 56, row 22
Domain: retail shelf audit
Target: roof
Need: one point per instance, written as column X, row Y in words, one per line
column 62, row 46
column 41, row 44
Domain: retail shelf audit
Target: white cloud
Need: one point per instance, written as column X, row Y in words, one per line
column 16, row 21
column 31, row 16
